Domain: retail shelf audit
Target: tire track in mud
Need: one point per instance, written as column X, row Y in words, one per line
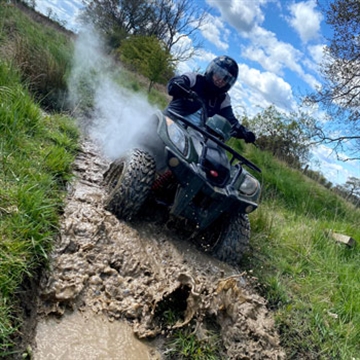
column 135, row 272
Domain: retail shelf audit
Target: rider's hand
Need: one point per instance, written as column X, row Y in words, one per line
column 183, row 90
column 178, row 88
column 240, row 132
column 249, row 137
column 237, row 131
column 193, row 95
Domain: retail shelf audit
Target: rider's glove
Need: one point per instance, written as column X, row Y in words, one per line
column 178, row 88
column 193, row 95
column 240, row 132
column 185, row 92
column 249, row 137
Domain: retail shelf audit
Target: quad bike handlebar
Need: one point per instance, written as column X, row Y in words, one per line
column 190, row 94
column 206, row 134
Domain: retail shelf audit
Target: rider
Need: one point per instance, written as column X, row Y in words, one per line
column 212, row 88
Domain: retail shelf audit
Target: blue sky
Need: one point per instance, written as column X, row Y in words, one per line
column 278, row 46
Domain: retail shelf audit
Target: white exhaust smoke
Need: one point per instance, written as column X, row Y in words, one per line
column 118, row 116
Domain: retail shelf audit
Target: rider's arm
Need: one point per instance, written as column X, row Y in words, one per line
column 187, row 81
column 227, row 112
column 239, row 131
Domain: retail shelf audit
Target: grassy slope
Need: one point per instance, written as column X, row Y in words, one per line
column 310, row 281
column 36, row 153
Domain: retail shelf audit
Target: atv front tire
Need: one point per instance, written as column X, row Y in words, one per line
column 129, row 180
column 230, row 238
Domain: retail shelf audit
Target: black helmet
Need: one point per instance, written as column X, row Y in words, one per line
column 222, row 73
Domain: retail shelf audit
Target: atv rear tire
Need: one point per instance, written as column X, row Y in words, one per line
column 129, row 180
column 232, row 238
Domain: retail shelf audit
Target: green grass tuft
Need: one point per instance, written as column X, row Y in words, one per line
column 186, row 345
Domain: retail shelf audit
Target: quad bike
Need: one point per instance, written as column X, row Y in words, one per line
column 190, row 170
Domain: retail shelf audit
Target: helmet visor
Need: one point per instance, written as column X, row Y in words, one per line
column 221, row 77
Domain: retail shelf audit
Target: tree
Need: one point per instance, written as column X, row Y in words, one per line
column 350, row 191
column 339, row 94
column 168, row 20
column 287, row 136
column 352, row 186
column 148, row 56
column 177, row 20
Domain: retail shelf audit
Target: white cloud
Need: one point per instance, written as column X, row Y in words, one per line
column 270, row 89
column 310, row 80
column 314, row 60
column 273, row 55
column 276, row 56
column 64, row 10
column 325, row 161
column 305, row 20
column 243, row 15
column 214, row 30
column 316, row 53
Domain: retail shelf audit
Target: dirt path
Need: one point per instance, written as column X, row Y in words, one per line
column 133, row 275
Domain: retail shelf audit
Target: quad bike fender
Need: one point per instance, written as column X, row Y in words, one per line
column 151, row 141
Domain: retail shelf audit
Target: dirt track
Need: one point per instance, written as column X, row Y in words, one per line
column 135, row 273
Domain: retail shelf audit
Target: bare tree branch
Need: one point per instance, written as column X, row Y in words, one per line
column 169, row 20
column 339, row 95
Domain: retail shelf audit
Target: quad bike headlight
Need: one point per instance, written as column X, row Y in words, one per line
column 249, row 185
column 176, row 135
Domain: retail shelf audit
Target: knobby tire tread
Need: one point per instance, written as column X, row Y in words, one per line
column 234, row 239
column 129, row 180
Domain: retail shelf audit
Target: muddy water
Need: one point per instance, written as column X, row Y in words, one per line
column 79, row 336
column 108, row 276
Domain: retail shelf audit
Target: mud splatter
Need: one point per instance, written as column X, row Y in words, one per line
column 135, row 272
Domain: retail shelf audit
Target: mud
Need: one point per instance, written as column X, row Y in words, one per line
column 83, row 336
column 108, row 272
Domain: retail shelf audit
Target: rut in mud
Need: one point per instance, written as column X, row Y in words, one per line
column 136, row 272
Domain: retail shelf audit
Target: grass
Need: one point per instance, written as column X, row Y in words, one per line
column 36, row 153
column 42, row 55
column 310, row 281
column 186, row 345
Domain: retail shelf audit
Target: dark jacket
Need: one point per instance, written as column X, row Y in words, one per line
column 215, row 103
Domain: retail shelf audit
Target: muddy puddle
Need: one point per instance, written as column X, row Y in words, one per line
column 82, row 336
column 112, row 286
